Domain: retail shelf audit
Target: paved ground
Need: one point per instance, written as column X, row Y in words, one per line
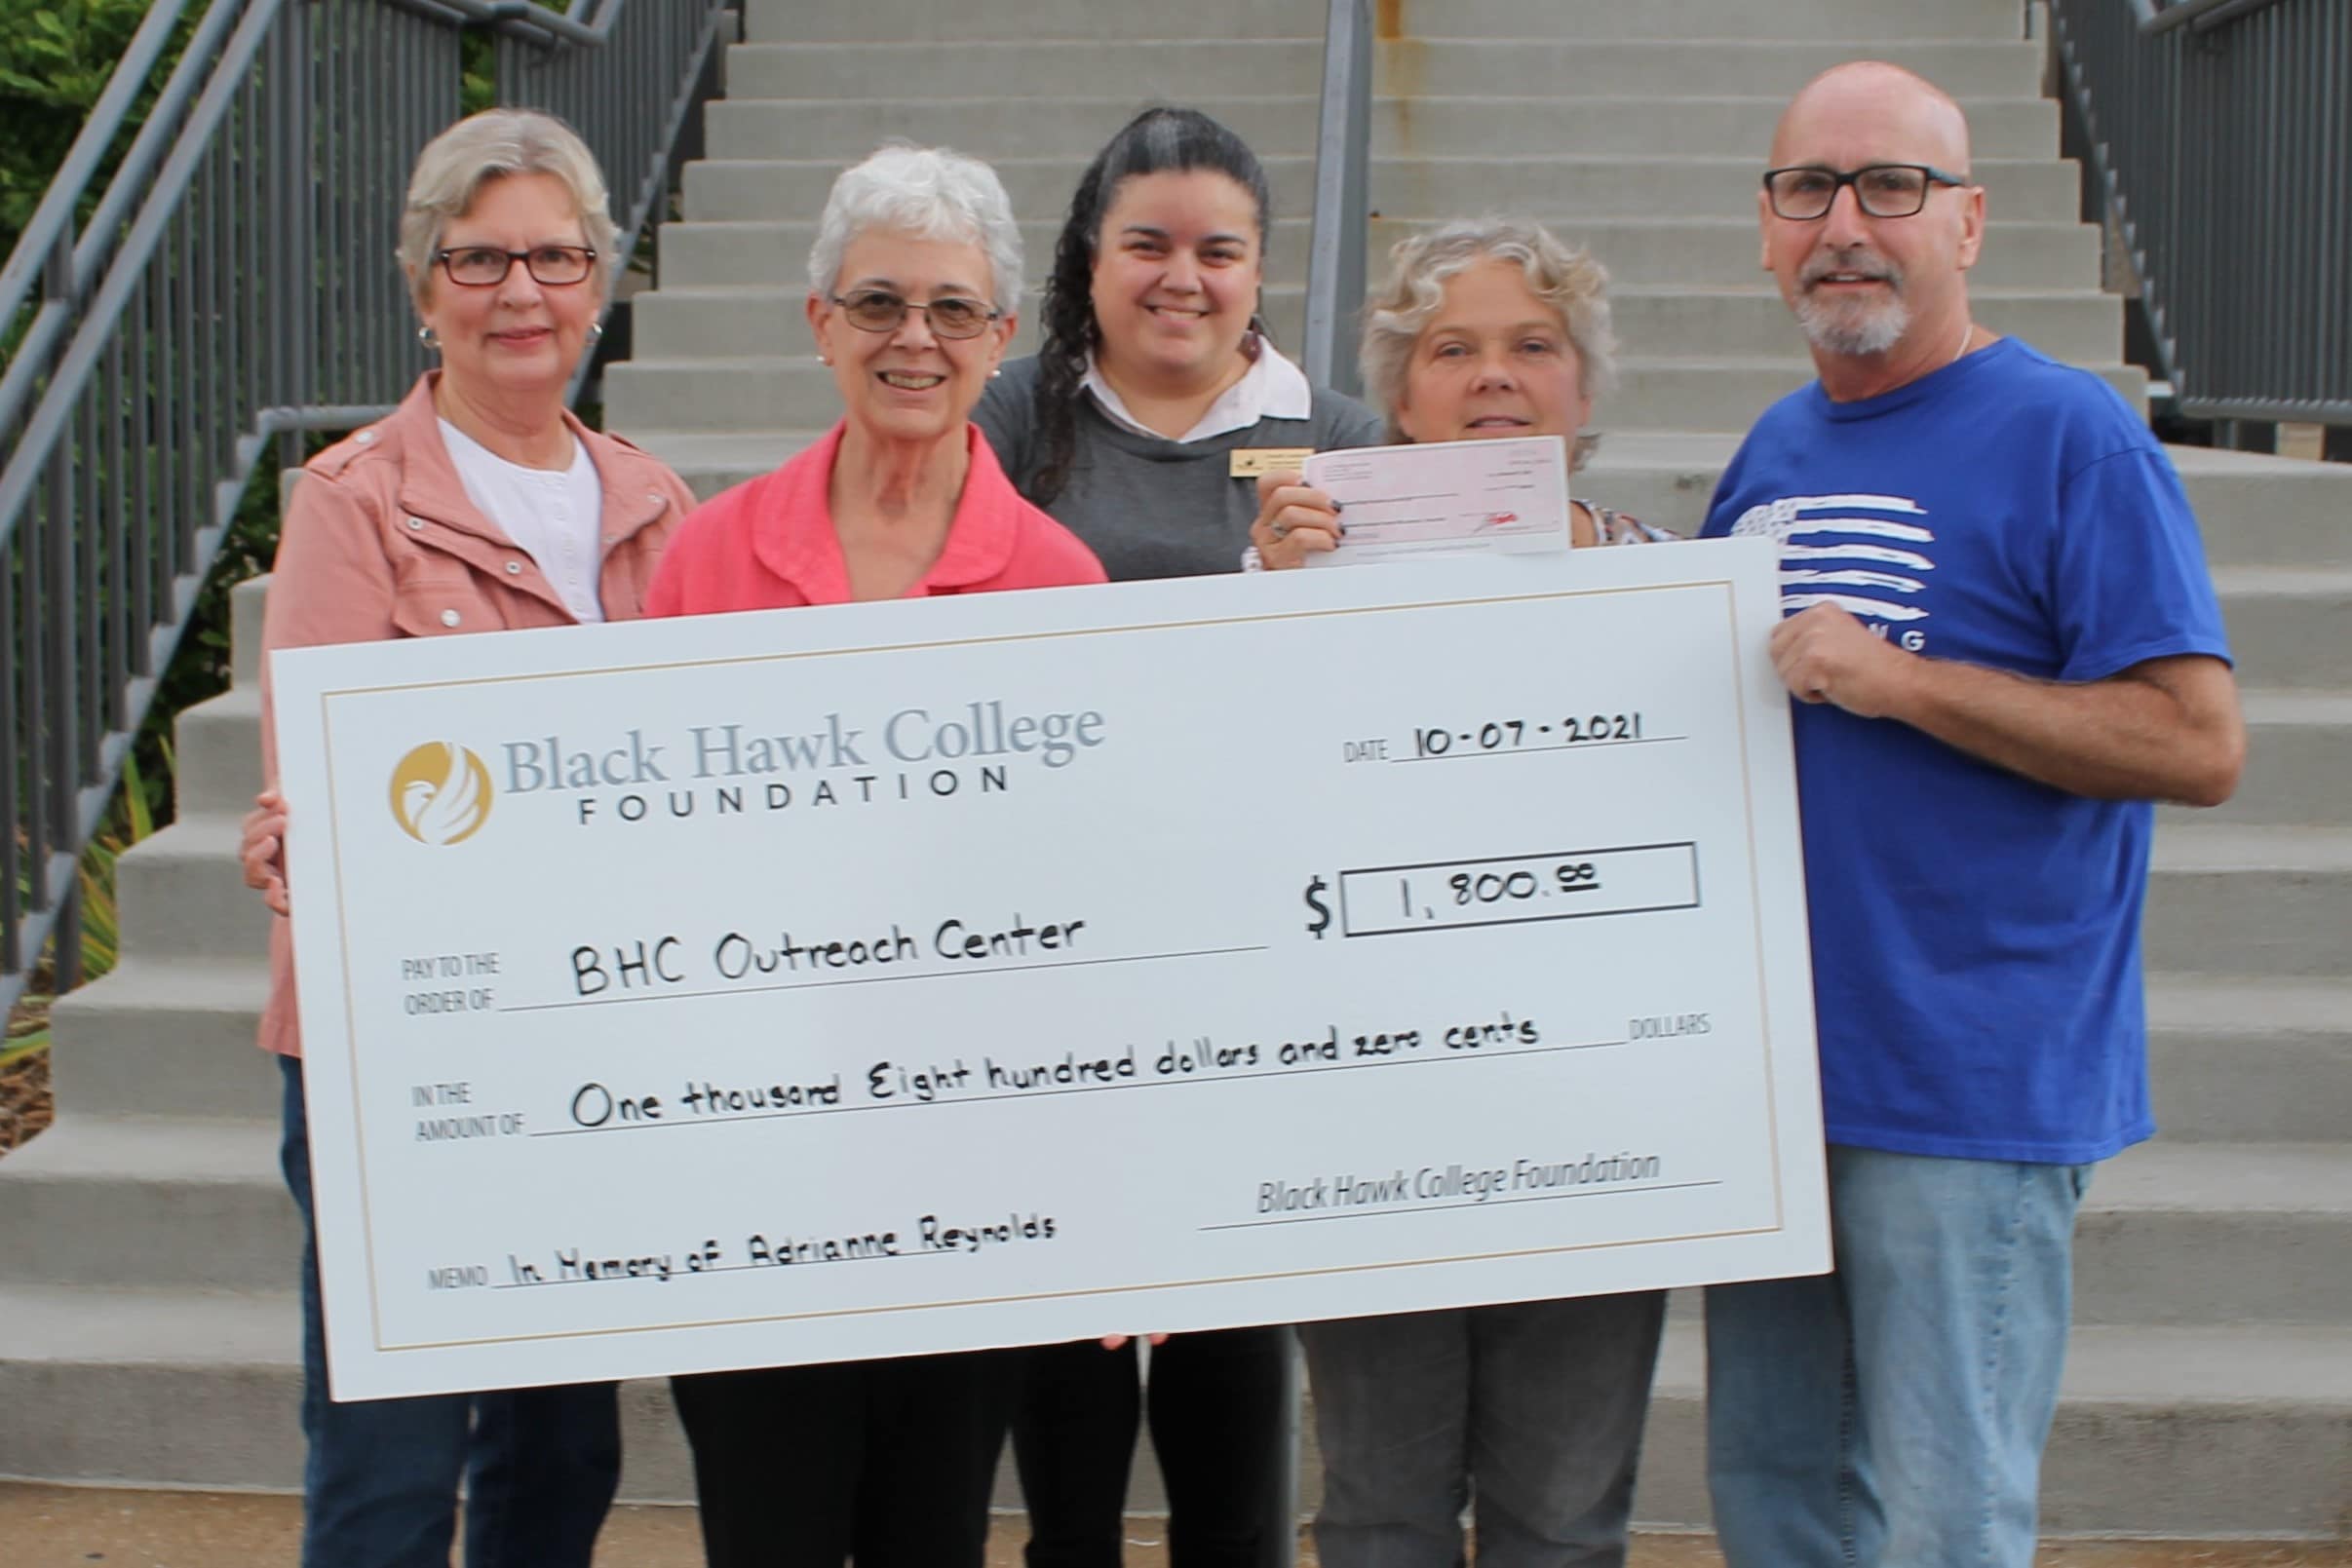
column 62, row 1527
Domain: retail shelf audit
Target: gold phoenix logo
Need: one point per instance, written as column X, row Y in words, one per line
column 441, row 793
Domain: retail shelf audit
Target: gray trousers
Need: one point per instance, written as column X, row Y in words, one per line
column 1532, row 1408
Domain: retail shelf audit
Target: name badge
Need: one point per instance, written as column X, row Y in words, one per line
column 1248, row 462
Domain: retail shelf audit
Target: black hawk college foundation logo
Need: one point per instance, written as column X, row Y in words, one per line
column 441, row 793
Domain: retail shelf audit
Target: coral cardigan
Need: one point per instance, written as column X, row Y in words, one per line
column 769, row 544
column 382, row 541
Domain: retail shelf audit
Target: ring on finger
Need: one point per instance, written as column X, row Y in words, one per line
column 1281, row 530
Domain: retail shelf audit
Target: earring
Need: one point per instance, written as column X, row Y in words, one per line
column 425, row 336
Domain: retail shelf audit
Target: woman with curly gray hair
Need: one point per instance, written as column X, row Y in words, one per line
column 1486, row 327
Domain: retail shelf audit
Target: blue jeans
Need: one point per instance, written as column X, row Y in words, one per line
column 1894, row 1411
column 380, row 1488
column 1534, row 1407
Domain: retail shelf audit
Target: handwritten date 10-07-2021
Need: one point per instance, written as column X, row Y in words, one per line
column 1533, row 735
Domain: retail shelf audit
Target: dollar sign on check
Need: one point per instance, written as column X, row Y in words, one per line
column 1321, row 922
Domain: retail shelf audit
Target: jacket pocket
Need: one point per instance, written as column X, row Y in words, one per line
column 438, row 596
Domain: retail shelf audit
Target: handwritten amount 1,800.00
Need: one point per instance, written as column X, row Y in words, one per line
column 1519, row 734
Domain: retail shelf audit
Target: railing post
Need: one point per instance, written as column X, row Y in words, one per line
column 1342, row 198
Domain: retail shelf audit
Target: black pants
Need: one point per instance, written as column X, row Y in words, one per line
column 886, row 1461
column 1217, row 1424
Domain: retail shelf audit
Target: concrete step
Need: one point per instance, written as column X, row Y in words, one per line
column 192, row 1388
column 2206, row 1233
column 1720, row 393
column 710, row 460
column 1408, row 67
column 1417, row 189
column 246, row 600
column 2290, row 625
column 2267, row 901
column 148, row 1203
column 919, row 22
column 793, row 189
column 218, row 745
column 2257, row 510
column 2233, row 1433
column 2226, row 1433
column 1418, row 126
column 2250, row 1060
column 1818, row 19
column 1035, row 127
column 699, row 257
column 183, row 896
column 2298, row 756
column 678, row 323
column 790, row 22
column 163, row 1038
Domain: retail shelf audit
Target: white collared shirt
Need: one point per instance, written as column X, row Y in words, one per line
column 1272, row 388
column 552, row 514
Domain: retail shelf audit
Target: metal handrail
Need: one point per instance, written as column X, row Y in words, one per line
column 2219, row 156
column 1344, row 158
column 236, row 283
column 2197, row 16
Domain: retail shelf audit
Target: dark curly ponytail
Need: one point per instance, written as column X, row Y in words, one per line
column 1155, row 142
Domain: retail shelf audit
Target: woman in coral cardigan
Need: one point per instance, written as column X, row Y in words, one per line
column 912, row 285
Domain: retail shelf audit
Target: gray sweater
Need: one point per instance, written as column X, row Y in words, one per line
column 1147, row 505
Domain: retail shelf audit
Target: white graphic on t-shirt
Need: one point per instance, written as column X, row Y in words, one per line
column 1840, row 542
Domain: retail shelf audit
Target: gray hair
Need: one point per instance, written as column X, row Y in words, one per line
column 930, row 193
column 455, row 164
column 1562, row 276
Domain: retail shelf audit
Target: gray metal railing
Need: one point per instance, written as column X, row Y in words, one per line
column 2219, row 130
column 1343, row 157
column 234, row 284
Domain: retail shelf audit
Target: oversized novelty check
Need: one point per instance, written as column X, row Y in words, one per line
column 1161, row 956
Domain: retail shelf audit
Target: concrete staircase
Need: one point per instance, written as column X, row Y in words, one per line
column 146, row 1330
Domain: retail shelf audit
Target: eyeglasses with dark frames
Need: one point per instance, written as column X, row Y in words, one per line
column 1803, row 194
column 878, row 310
column 479, row 266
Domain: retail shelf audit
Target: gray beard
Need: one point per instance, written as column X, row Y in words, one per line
column 1845, row 332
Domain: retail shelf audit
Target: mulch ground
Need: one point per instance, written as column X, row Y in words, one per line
column 25, row 1104
column 61, row 1527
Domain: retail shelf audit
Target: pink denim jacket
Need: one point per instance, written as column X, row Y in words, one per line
column 381, row 541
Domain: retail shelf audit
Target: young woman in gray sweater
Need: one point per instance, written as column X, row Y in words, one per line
column 1142, row 425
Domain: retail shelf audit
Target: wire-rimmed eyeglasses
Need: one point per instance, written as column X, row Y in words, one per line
column 1807, row 191
column 878, row 310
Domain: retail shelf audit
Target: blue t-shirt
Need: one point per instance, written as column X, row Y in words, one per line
column 1976, row 934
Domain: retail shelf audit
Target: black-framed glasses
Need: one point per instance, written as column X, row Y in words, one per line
column 479, row 266
column 878, row 310
column 1884, row 190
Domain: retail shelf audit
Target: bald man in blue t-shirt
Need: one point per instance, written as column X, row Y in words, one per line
column 2004, row 644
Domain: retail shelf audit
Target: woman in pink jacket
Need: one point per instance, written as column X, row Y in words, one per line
column 912, row 286
column 480, row 504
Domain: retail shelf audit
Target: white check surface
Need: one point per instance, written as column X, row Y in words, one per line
column 888, row 979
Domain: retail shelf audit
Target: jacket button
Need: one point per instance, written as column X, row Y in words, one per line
column 654, row 496
column 417, row 525
column 365, row 437
column 513, row 568
column 449, row 618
